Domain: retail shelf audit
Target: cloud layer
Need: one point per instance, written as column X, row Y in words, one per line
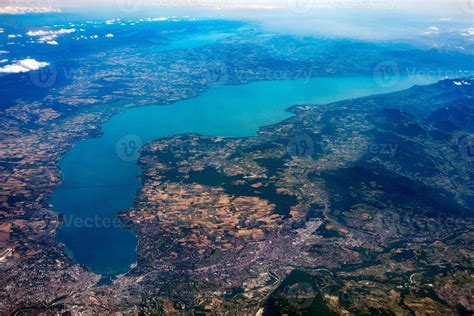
column 24, row 65
column 26, row 9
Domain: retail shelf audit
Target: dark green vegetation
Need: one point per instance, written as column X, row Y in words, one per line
column 236, row 186
column 414, row 179
column 297, row 295
column 377, row 202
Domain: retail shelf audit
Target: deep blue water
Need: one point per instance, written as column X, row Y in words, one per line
column 101, row 177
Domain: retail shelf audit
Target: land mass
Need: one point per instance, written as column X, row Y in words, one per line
column 369, row 199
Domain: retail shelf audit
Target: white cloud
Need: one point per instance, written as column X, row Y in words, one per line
column 25, row 10
column 109, row 35
column 432, row 30
column 24, row 65
column 2, row 30
column 468, row 32
column 43, row 33
column 156, row 19
column 49, row 36
column 460, row 83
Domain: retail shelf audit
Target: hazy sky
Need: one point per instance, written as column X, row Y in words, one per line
column 449, row 6
column 365, row 19
column 453, row 8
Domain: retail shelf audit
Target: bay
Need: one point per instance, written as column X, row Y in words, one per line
column 101, row 175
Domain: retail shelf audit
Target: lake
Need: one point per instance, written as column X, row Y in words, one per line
column 101, row 175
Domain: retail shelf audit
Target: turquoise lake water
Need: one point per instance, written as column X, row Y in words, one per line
column 101, row 177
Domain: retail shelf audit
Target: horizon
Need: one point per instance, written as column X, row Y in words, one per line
column 383, row 20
